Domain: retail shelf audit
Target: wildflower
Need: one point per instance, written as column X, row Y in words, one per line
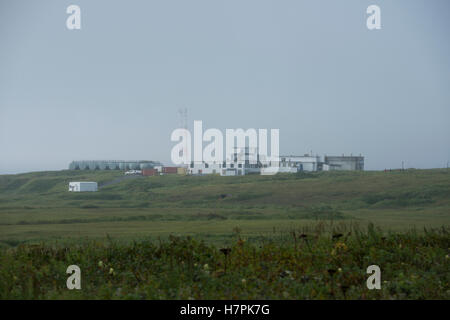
column 243, row 281
column 446, row 257
column 339, row 269
column 111, row 271
column 341, row 245
column 100, row 264
column 206, row 267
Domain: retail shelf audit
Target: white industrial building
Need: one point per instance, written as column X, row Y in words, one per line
column 352, row 163
column 240, row 164
column 292, row 164
column 113, row 164
column 199, row 168
column 83, row 186
column 299, row 163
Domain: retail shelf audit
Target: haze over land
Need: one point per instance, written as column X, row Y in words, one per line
column 312, row 69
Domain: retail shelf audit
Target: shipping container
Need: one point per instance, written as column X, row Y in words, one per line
column 181, row 170
column 149, row 172
column 169, row 170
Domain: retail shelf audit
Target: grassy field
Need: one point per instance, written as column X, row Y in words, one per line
column 37, row 206
column 292, row 236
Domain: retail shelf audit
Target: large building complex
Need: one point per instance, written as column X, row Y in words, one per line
column 242, row 162
column 113, row 164
column 239, row 164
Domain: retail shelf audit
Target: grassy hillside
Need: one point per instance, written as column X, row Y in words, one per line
column 38, row 206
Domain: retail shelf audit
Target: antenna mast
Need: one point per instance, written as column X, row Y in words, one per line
column 182, row 118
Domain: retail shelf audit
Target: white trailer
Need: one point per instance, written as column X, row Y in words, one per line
column 83, row 186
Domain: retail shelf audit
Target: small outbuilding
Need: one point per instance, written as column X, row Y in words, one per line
column 83, row 186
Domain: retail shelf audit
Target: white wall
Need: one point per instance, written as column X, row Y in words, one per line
column 83, row 186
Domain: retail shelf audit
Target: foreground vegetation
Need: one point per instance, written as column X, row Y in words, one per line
column 320, row 262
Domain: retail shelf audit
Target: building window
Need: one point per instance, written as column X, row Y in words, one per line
column 240, row 165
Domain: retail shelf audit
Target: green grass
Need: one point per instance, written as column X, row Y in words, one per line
column 37, row 206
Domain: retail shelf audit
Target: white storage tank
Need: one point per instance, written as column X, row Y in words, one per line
column 83, row 186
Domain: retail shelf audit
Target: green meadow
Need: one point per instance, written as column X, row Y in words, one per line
column 37, row 207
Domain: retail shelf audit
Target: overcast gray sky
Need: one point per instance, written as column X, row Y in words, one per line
column 309, row 68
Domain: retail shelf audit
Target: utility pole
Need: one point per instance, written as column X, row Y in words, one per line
column 183, row 115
